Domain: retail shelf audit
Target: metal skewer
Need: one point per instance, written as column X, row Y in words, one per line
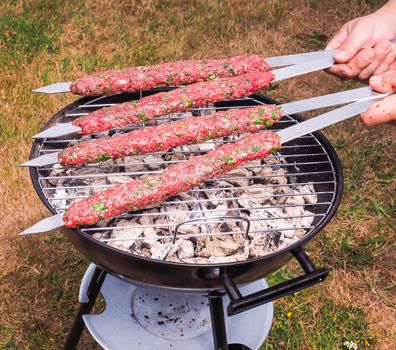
column 295, row 131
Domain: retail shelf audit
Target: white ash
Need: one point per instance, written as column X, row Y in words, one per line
column 262, row 192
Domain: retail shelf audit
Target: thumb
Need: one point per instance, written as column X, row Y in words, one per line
column 380, row 112
column 385, row 82
column 354, row 41
column 338, row 39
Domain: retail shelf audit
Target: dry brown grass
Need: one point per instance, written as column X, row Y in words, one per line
column 39, row 277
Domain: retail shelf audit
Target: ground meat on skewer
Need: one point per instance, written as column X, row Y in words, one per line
column 154, row 188
column 178, row 100
column 166, row 136
column 167, row 74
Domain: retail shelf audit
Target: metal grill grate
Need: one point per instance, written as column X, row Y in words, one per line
column 305, row 160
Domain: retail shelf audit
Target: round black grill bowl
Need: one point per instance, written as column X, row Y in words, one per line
column 198, row 277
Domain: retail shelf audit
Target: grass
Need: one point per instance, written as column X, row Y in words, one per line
column 49, row 41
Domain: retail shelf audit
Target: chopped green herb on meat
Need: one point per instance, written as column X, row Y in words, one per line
column 275, row 149
column 142, row 117
column 103, row 157
column 100, row 208
column 274, row 115
column 265, row 122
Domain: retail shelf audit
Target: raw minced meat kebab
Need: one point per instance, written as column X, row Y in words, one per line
column 154, row 188
column 161, row 138
column 177, row 100
column 167, row 74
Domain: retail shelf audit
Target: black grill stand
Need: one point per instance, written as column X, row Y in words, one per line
column 238, row 302
column 93, row 290
column 95, row 284
column 218, row 324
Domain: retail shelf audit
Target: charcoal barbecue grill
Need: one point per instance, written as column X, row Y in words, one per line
column 309, row 160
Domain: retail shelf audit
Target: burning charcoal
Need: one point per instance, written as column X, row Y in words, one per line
column 175, row 157
column 191, row 148
column 98, row 184
column 222, row 184
column 57, row 170
column 153, row 162
column 161, row 221
column 159, row 250
column 286, row 241
column 222, row 246
column 144, row 251
column 255, row 196
column 87, row 170
column 220, row 210
column 161, row 226
column 271, row 228
column 259, row 246
column 278, row 222
column 258, row 224
column 146, row 220
column 239, row 177
column 151, row 235
column 216, row 197
column 280, row 192
column 278, row 177
column 125, row 237
column 118, row 179
column 294, row 211
column 77, row 187
column 246, row 248
column 263, row 174
column 109, row 166
column 309, row 199
column 277, row 160
column 200, row 243
column 174, row 249
column 179, row 213
column 245, row 201
column 186, row 197
column 59, row 200
column 308, row 220
column 206, row 146
column 103, row 223
column 132, row 164
column 227, row 227
column 101, row 235
column 295, row 199
column 185, row 249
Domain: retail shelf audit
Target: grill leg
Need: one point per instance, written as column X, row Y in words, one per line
column 218, row 322
column 95, row 284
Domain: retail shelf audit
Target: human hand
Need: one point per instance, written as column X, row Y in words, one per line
column 363, row 45
column 385, row 110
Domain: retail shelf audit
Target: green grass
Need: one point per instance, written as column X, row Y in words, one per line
column 334, row 324
column 48, row 41
column 24, row 36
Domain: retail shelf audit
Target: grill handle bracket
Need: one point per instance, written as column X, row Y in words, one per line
column 241, row 303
